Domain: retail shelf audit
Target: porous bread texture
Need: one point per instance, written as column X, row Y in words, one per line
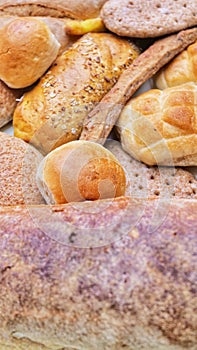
column 19, row 162
column 152, row 18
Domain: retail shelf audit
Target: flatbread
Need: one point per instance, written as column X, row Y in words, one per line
column 150, row 18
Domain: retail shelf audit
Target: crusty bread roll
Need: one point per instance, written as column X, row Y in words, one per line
column 78, row 171
column 159, row 127
column 52, row 113
column 182, row 69
column 133, row 286
column 18, row 162
column 78, row 9
column 27, row 49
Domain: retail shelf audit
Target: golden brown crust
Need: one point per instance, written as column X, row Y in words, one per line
column 102, row 118
column 78, row 171
column 53, row 112
column 135, row 289
column 27, row 49
column 159, row 127
column 182, row 69
column 58, row 8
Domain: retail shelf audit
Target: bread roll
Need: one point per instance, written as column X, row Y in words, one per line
column 53, row 112
column 78, row 9
column 80, row 170
column 182, row 69
column 132, row 287
column 27, row 49
column 159, row 127
column 19, row 162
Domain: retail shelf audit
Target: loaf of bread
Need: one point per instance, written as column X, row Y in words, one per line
column 19, row 163
column 27, row 49
column 52, row 113
column 159, row 126
column 78, row 9
column 182, row 69
column 113, row 275
column 78, row 171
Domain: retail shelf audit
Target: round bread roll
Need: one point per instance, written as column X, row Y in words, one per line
column 80, row 170
column 158, row 127
column 27, row 49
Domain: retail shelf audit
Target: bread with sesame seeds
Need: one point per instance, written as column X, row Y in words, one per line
column 52, row 113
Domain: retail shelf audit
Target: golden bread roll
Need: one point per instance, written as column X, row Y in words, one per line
column 19, row 162
column 27, row 49
column 52, row 113
column 80, row 170
column 182, row 69
column 160, row 127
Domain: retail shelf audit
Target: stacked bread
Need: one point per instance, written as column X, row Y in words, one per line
column 117, row 270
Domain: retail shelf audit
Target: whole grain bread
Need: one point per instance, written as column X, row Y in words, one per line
column 150, row 18
column 145, row 181
column 78, row 9
column 136, row 289
column 8, row 102
column 100, row 121
column 18, row 162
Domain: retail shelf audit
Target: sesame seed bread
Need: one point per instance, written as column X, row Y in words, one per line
column 52, row 113
column 19, row 162
column 150, row 18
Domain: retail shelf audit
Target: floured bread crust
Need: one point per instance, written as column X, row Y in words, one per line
column 152, row 18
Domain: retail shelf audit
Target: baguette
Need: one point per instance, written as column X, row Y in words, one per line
column 100, row 121
column 133, row 286
column 159, row 126
column 52, row 113
column 182, row 69
column 78, row 9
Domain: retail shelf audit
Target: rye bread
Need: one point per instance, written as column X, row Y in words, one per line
column 103, row 117
column 19, row 162
column 150, row 18
column 145, row 181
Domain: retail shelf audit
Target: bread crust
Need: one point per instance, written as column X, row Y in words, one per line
column 159, row 126
column 144, row 19
column 134, row 290
column 52, row 113
column 182, row 69
column 100, row 121
column 58, row 8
